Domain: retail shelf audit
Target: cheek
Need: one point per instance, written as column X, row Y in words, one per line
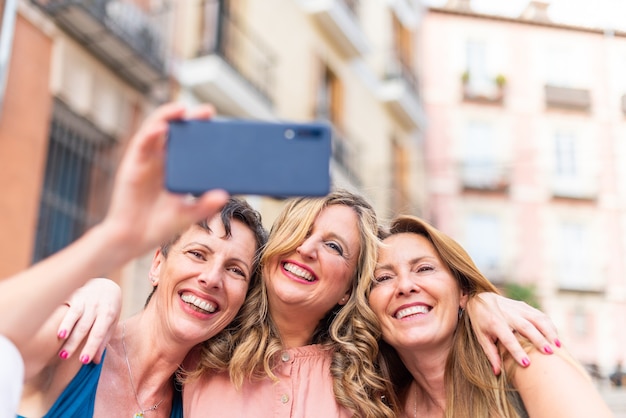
column 236, row 293
column 376, row 301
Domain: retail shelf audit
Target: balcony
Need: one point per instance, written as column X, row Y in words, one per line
column 338, row 18
column 400, row 91
column 344, row 163
column 483, row 89
column 232, row 69
column 122, row 35
column 567, row 98
column 574, row 188
column 485, row 176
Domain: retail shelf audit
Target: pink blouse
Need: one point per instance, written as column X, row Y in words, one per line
column 304, row 390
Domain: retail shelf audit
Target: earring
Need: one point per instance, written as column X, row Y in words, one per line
column 460, row 313
column 153, row 279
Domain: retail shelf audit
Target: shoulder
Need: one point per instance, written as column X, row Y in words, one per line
column 557, row 385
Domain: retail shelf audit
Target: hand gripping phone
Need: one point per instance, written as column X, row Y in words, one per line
column 248, row 157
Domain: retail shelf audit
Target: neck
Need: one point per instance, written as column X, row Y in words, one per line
column 153, row 359
column 295, row 328
column 428, row 371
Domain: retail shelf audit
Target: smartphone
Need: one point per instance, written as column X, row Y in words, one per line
column 248, row 157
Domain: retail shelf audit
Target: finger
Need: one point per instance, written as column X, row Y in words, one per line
column 201, row 112
column 492, row 353
column 98, row 336
column 546, row 327
column 510, row 342
column 206, row 206
column 535, row 336
column 76, row 337
column 72, row 315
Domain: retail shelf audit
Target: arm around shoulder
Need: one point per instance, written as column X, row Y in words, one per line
column 558, row 386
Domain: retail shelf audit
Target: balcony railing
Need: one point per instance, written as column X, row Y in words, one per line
column 567, row 98
column 399, row 69
column 485, row 176
column 345, row 156
column 118, row 32
column 483, row 90
column 400, row 90
column 241, row 49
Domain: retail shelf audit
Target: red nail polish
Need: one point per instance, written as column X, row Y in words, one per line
column 63, row 354
column 548, row 349
column 62, row 334
column 84, row 359
column 525, row 362
column 557, row 343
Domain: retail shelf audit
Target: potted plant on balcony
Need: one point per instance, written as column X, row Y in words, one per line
column 500, row 80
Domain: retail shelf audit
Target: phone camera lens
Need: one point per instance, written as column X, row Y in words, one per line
column 289, row 134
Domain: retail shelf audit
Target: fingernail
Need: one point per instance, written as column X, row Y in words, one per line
column 547, row 349
column 62, row 334
column 557, row 343
column 84, row 359
column 525, row 362
column 63, row 354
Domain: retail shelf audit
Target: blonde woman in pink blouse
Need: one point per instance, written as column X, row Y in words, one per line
column 303, row 345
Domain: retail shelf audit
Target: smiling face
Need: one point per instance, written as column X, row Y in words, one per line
column 204, row 279
column 318, row 273
column 415, row 297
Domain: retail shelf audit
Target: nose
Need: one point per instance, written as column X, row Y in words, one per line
column 308, row 248
column 212, row 277
column 407, row 284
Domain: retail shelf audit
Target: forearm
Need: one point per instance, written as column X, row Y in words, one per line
column 27, row 299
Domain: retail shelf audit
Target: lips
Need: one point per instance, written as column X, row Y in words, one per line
column 198, row 304
column 299, row 272
column 419, row 309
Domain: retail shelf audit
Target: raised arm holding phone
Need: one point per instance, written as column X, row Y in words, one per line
column 141, row 215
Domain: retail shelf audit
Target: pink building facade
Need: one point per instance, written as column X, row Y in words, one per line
column 525, row 157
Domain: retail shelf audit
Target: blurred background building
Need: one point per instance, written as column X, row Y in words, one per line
column 504, row 129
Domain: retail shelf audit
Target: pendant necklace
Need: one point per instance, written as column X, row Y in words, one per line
column 142, row 411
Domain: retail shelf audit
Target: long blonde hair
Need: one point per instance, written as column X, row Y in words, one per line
column 472, row 389
column 348, row 332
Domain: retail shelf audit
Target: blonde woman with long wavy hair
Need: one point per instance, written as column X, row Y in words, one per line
column 429, row 351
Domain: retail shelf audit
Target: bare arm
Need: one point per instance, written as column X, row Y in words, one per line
column 556, row 386
column 142, row 214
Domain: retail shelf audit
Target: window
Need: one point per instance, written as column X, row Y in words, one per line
column 567, row 180
column 329, row 104
column 564, row 68
column 77, row 181
column 400, row 178
column 483, row 237
column 573, row 257
column 480, row 168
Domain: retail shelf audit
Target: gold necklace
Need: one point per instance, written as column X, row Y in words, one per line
column 132, row 384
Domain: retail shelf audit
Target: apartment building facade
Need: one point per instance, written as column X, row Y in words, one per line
column 79, row 78
column 349, row 63
column 83, row 74
column 525, row 160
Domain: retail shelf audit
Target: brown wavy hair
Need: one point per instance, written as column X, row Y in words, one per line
column 349, row 332
column 472, row 389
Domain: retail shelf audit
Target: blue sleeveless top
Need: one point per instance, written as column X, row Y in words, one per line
column 78, row 398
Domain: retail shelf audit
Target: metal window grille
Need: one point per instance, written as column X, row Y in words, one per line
column 77, row 184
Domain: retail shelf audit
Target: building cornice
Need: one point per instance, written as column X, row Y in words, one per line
column 547, row 24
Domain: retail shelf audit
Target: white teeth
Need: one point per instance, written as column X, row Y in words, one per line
column 417, row 309
column 198, row 303
column 300, row 272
